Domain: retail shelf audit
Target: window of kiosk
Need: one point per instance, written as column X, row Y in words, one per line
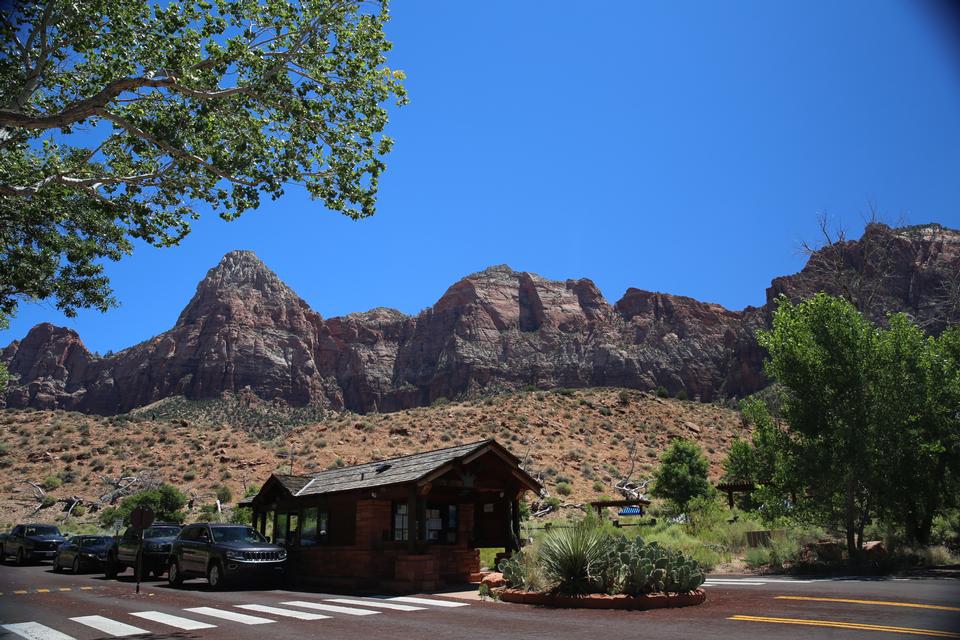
column 313, row 527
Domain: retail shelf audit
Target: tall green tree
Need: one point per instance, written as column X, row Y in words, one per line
column 682, row 475
column 873, row 421
column 918, row 389
column 823, row 351
column 119, row 118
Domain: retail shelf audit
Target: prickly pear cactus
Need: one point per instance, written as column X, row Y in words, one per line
column 513, row 571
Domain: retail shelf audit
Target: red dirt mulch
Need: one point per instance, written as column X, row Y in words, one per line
column 604, row 601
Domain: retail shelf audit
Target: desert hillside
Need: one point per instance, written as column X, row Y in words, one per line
column 578, row 438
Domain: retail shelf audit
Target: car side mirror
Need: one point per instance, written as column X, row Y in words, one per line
column 270, row 539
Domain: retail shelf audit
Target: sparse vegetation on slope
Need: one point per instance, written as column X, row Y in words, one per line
column 573, row 439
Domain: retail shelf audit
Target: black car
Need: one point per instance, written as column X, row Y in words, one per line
column 83, row 552
column 224, row 553
column 28, row 542
column 157, row 541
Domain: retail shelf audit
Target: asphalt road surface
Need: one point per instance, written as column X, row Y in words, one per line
column 38, row 604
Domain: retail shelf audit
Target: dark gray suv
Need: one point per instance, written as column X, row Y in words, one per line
column 224, row 553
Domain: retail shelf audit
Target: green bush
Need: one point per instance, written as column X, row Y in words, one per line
column 757, row 557
column 50, row 482
column 224, row 495
column 564, row 488
column 946, row 530
column 241, row 515
column 166, row 501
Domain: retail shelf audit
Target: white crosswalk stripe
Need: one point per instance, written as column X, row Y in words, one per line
column 173, row 621
column 277, row 611
column 35, row 631
column 332, row 608
column 110, row 627
column 427, row 601
column 232, row 616
column 379, row 604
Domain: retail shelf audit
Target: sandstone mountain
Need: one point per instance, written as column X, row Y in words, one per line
column 492, row 331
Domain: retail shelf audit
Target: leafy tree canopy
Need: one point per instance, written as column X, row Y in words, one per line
column 872, row 421
column 118, row 118
column 682, row 474
column 166, row 501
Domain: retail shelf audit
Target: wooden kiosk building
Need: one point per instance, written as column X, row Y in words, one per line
column 403, row 524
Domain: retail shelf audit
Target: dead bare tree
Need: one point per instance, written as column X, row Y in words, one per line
column 41, row 497
column 860, row 272
column 625, row 485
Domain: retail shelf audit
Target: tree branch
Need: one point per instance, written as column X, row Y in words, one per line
column 134, row 130
column 89, row 107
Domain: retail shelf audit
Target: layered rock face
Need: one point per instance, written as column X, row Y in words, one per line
column 494, row 330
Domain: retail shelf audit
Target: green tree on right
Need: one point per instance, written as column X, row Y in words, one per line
column 871, row 422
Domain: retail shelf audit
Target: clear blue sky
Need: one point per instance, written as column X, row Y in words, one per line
column 684, row 147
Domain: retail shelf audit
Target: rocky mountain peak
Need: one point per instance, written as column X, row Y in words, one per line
column 245, row 331
column 240, row 281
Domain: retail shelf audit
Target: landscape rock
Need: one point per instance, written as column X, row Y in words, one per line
column 494, row 580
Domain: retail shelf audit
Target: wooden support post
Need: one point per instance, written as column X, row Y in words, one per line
column 412, row 520
column 515, row 523
column 421, row 524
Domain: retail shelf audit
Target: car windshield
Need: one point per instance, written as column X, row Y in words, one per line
column 237, row 534
column 95, row 541
column 42, row 530
column 161, row 532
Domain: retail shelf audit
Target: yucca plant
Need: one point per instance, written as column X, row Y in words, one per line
column 576, row 560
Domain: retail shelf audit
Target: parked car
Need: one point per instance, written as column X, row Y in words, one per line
column 157, row 541
column 29, row 542
column 83, row 552
column 224, row 553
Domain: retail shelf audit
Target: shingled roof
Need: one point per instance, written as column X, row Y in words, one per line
column 411, row 468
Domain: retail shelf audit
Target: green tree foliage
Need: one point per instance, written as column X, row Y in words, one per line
column 873, row 422
column 682, row 474
column 166, row 501
column 918, row 426
column 119, row 117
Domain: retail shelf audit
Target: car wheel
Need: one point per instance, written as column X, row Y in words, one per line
column 3, row 554
column 215, row 576
column 157, row 572
column 21, row 557
column 112, row 568
column 56, row 564
column 173, row 575
column 76, row 564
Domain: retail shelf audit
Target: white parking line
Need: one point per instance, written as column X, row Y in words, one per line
column 277, row 611
column 319, row 606
column 379, row 604
column 242, row 618
column 710, row 583
column 173, row 621
column 110, row 627
column 428, row 601
column 36, row 631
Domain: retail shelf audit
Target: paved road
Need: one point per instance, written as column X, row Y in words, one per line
column 37, row 603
